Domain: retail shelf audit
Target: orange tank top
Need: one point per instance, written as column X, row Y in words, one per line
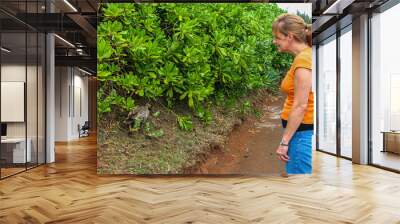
column 302, row 60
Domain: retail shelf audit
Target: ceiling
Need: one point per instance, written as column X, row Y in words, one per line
column 74, row 21
column 329, row 15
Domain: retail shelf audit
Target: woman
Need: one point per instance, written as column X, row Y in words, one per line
column 293, row 35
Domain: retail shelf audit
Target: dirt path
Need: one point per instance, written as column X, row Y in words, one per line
column 250, row 148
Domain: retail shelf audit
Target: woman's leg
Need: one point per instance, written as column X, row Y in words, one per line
column 300, row 153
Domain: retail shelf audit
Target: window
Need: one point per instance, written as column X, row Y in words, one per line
column 327, row 95
column 385, row 89
column 23, row 77
column 346, row 74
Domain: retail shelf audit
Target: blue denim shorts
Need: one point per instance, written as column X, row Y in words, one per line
column 300, row 153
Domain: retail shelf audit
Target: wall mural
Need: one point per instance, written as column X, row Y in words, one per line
column 189, row 89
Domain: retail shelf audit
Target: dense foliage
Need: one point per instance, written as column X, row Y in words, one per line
column 194, row 53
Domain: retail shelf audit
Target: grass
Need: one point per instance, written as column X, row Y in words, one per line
column 175, row 151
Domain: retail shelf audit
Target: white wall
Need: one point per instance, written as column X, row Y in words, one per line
column 14, row 72
column 71, row 87
column 62, row 81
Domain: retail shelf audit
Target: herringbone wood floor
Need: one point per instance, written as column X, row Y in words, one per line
column 69, row 191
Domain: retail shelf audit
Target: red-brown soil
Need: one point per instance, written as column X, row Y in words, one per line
column 250, row 148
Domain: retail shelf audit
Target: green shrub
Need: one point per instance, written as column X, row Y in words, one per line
column 185, row 52
column 184, row 122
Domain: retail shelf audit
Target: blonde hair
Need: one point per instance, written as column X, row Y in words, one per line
column 294, row 24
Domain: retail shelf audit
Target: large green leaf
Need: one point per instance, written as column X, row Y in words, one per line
column 104, row 50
